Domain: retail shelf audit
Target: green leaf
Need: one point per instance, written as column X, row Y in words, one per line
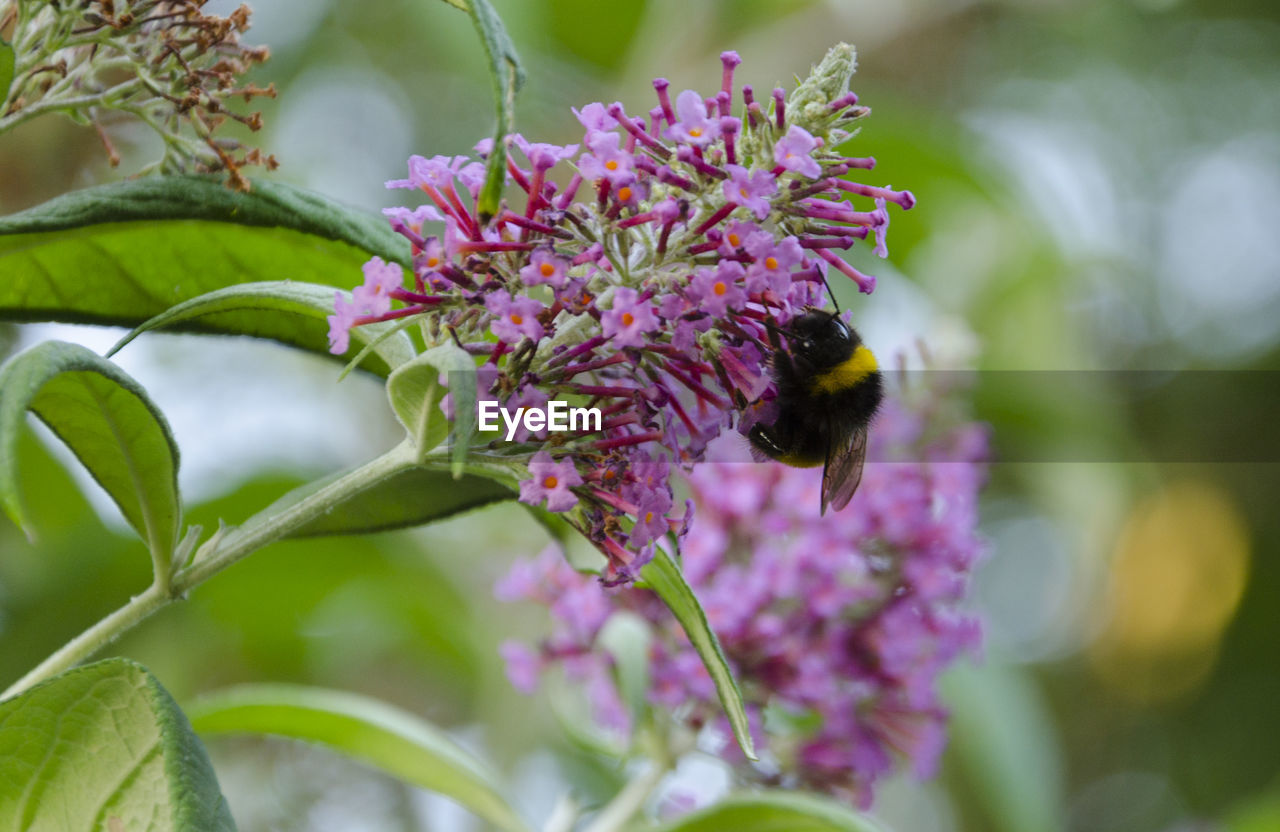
column 508, row 77
column 459, row 4
column 397, row 742
column 1002, row 736
column 599, row 34
column 775, row 812
column 122, row 254
column 462, row 384
column 412, row 497
column 1259, row 813
column 257, row 307
column 415, row 391
column 108, row 421
column 6, row 69
column 105, row 747
column 664, row 577
column 627, row 638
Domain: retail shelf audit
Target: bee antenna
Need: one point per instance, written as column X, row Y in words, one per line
column 774, row 332
column 831, row 295
column 773, row 327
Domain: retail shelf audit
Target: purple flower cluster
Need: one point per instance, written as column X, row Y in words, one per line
column 641, row 286
column 836, row 628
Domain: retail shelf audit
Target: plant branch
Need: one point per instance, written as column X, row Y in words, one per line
column 264, row 528
column 93, row 639
column 216, row 555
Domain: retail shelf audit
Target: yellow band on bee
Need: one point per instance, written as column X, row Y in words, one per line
column 846, row 374
column 801, row 461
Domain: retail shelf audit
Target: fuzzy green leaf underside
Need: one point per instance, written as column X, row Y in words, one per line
column 105, row 747
column 417, row 387
column 257, row 306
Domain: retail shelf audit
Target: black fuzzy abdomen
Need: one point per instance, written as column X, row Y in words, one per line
column 811, row 423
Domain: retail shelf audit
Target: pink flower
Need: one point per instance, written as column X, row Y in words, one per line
column 607, row 160
column 436, row 172
column 718, row 290
column 651, row 519
column 523, row 666
column 881, row 229
column 630, row 319
column 792, row 152
column 514, row 318
column 414, row 219
column 541, row 155
column 773, row 264
column 472, row 177
column 380, row 280
column 694, row 126
column 545, row 267
column 340, row 322
column 595, row 118
column 550, row 482
column 737, row 234
column 750, row 189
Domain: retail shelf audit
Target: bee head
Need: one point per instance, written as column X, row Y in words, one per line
column 821, row 339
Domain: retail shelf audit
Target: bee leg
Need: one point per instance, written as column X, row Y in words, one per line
column 766, row 441
column 774, row 340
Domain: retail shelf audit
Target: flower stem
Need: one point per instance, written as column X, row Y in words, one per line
column 217, row 554
column 626, row 803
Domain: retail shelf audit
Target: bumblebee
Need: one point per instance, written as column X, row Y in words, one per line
column 829, row 388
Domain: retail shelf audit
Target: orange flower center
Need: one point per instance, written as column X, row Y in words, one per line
column 696, row 132
column 612, row 164
column 550, row 482
column 735, row 240
column 743, row 192
column 432, row 262
column 516, row 318
column 770, row 263
column 624, row 193
column 719, row 288
column 648, row 517
column 547, row 269
column 628, row 319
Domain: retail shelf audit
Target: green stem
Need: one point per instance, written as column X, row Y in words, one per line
column 257, row 532
column 42, row 107
column 627, row 802
column 93, row 639
column 262, row 529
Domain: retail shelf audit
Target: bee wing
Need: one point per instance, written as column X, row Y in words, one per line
column 843, row 471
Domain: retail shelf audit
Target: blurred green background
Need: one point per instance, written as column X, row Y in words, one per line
column 1099, row 190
